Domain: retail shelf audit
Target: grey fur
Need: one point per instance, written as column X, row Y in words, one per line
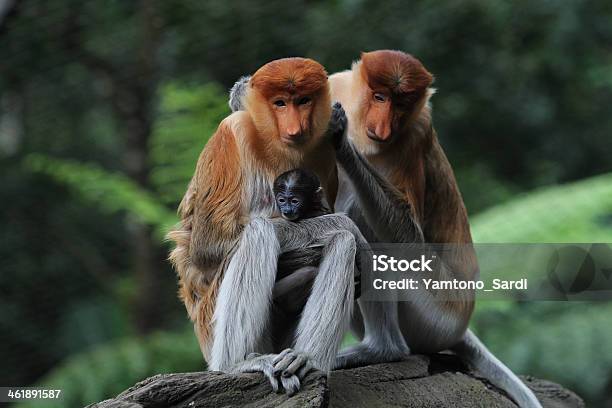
column 327, row 313
column 242, row 309
column 319, row 334
column 243, row 316
column 495, row 371
column 375, row 206
column 237, row 93
column 373, row 194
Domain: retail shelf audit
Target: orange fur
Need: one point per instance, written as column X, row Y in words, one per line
column 289, row 75
column 233, row 180
column 401, row 74
column 210, row 214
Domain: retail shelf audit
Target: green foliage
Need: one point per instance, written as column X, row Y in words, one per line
column 111, row 192
column 188, row 117
column 560, row 341
column 566, row 342
column 109, row 369
column 575, row 212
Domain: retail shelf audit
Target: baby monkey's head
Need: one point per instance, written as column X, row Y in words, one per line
column 298, row 195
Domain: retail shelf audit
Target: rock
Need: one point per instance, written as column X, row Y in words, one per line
column 439, row 380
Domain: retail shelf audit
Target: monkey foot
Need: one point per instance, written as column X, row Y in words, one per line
column 361, row 355
column 286, row 369
column 292, row 366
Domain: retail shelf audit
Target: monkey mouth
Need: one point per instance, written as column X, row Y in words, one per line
column 372, row 136
column 294, row 140
column 290, row 142
column 289, row 217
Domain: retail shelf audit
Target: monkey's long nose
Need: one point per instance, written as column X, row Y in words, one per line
column 294, row 131
column 294, row 128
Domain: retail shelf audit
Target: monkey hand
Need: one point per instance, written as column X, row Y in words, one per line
column 337, row 126
column 292, row 366
column 268, row 363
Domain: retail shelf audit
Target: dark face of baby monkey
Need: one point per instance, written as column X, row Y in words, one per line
column 298, row 195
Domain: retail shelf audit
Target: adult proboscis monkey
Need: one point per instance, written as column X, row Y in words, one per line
column 398, row 186
column 227, row 247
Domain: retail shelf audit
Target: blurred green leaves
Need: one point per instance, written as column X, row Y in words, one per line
column 188, row 117
column 561, row 341
column 573, row 212
column 109, row 369
column 111, row 192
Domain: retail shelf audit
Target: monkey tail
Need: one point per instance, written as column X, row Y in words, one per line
column 471, row 349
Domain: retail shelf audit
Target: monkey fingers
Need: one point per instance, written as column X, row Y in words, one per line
column 291, row 384
column 260, row 363
column 301, row 365
column 337, row 125
column 282, row 360
column 290, row 362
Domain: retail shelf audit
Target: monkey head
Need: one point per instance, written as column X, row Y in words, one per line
column 393, row 89
column 289, row 101
column 298, row 194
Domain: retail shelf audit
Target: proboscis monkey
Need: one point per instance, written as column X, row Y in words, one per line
column 298, row 195
column 227, row 245
column 398, row 186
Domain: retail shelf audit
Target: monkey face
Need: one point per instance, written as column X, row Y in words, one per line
column 394, row 86
column 295, row 92
column 290, row 206
column 379, row 117
column 292, row 114
column 297, row 193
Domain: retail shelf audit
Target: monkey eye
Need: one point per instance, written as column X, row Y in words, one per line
column 304, row 100
column 378, row 97
column 281, row 200
column 280, row 103
column 295, row 201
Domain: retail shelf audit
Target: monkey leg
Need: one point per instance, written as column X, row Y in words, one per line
column 289, row 298
column 242, row 311
column 425, row 324
column 291, row 292
column 328, row 310
column 382, row 342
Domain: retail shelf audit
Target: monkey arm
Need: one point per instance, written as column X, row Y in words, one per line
column 209, row 227
column 240, row 325
column 333, row 285
column 217, row 199
column 386, row 211
column 243, row 305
